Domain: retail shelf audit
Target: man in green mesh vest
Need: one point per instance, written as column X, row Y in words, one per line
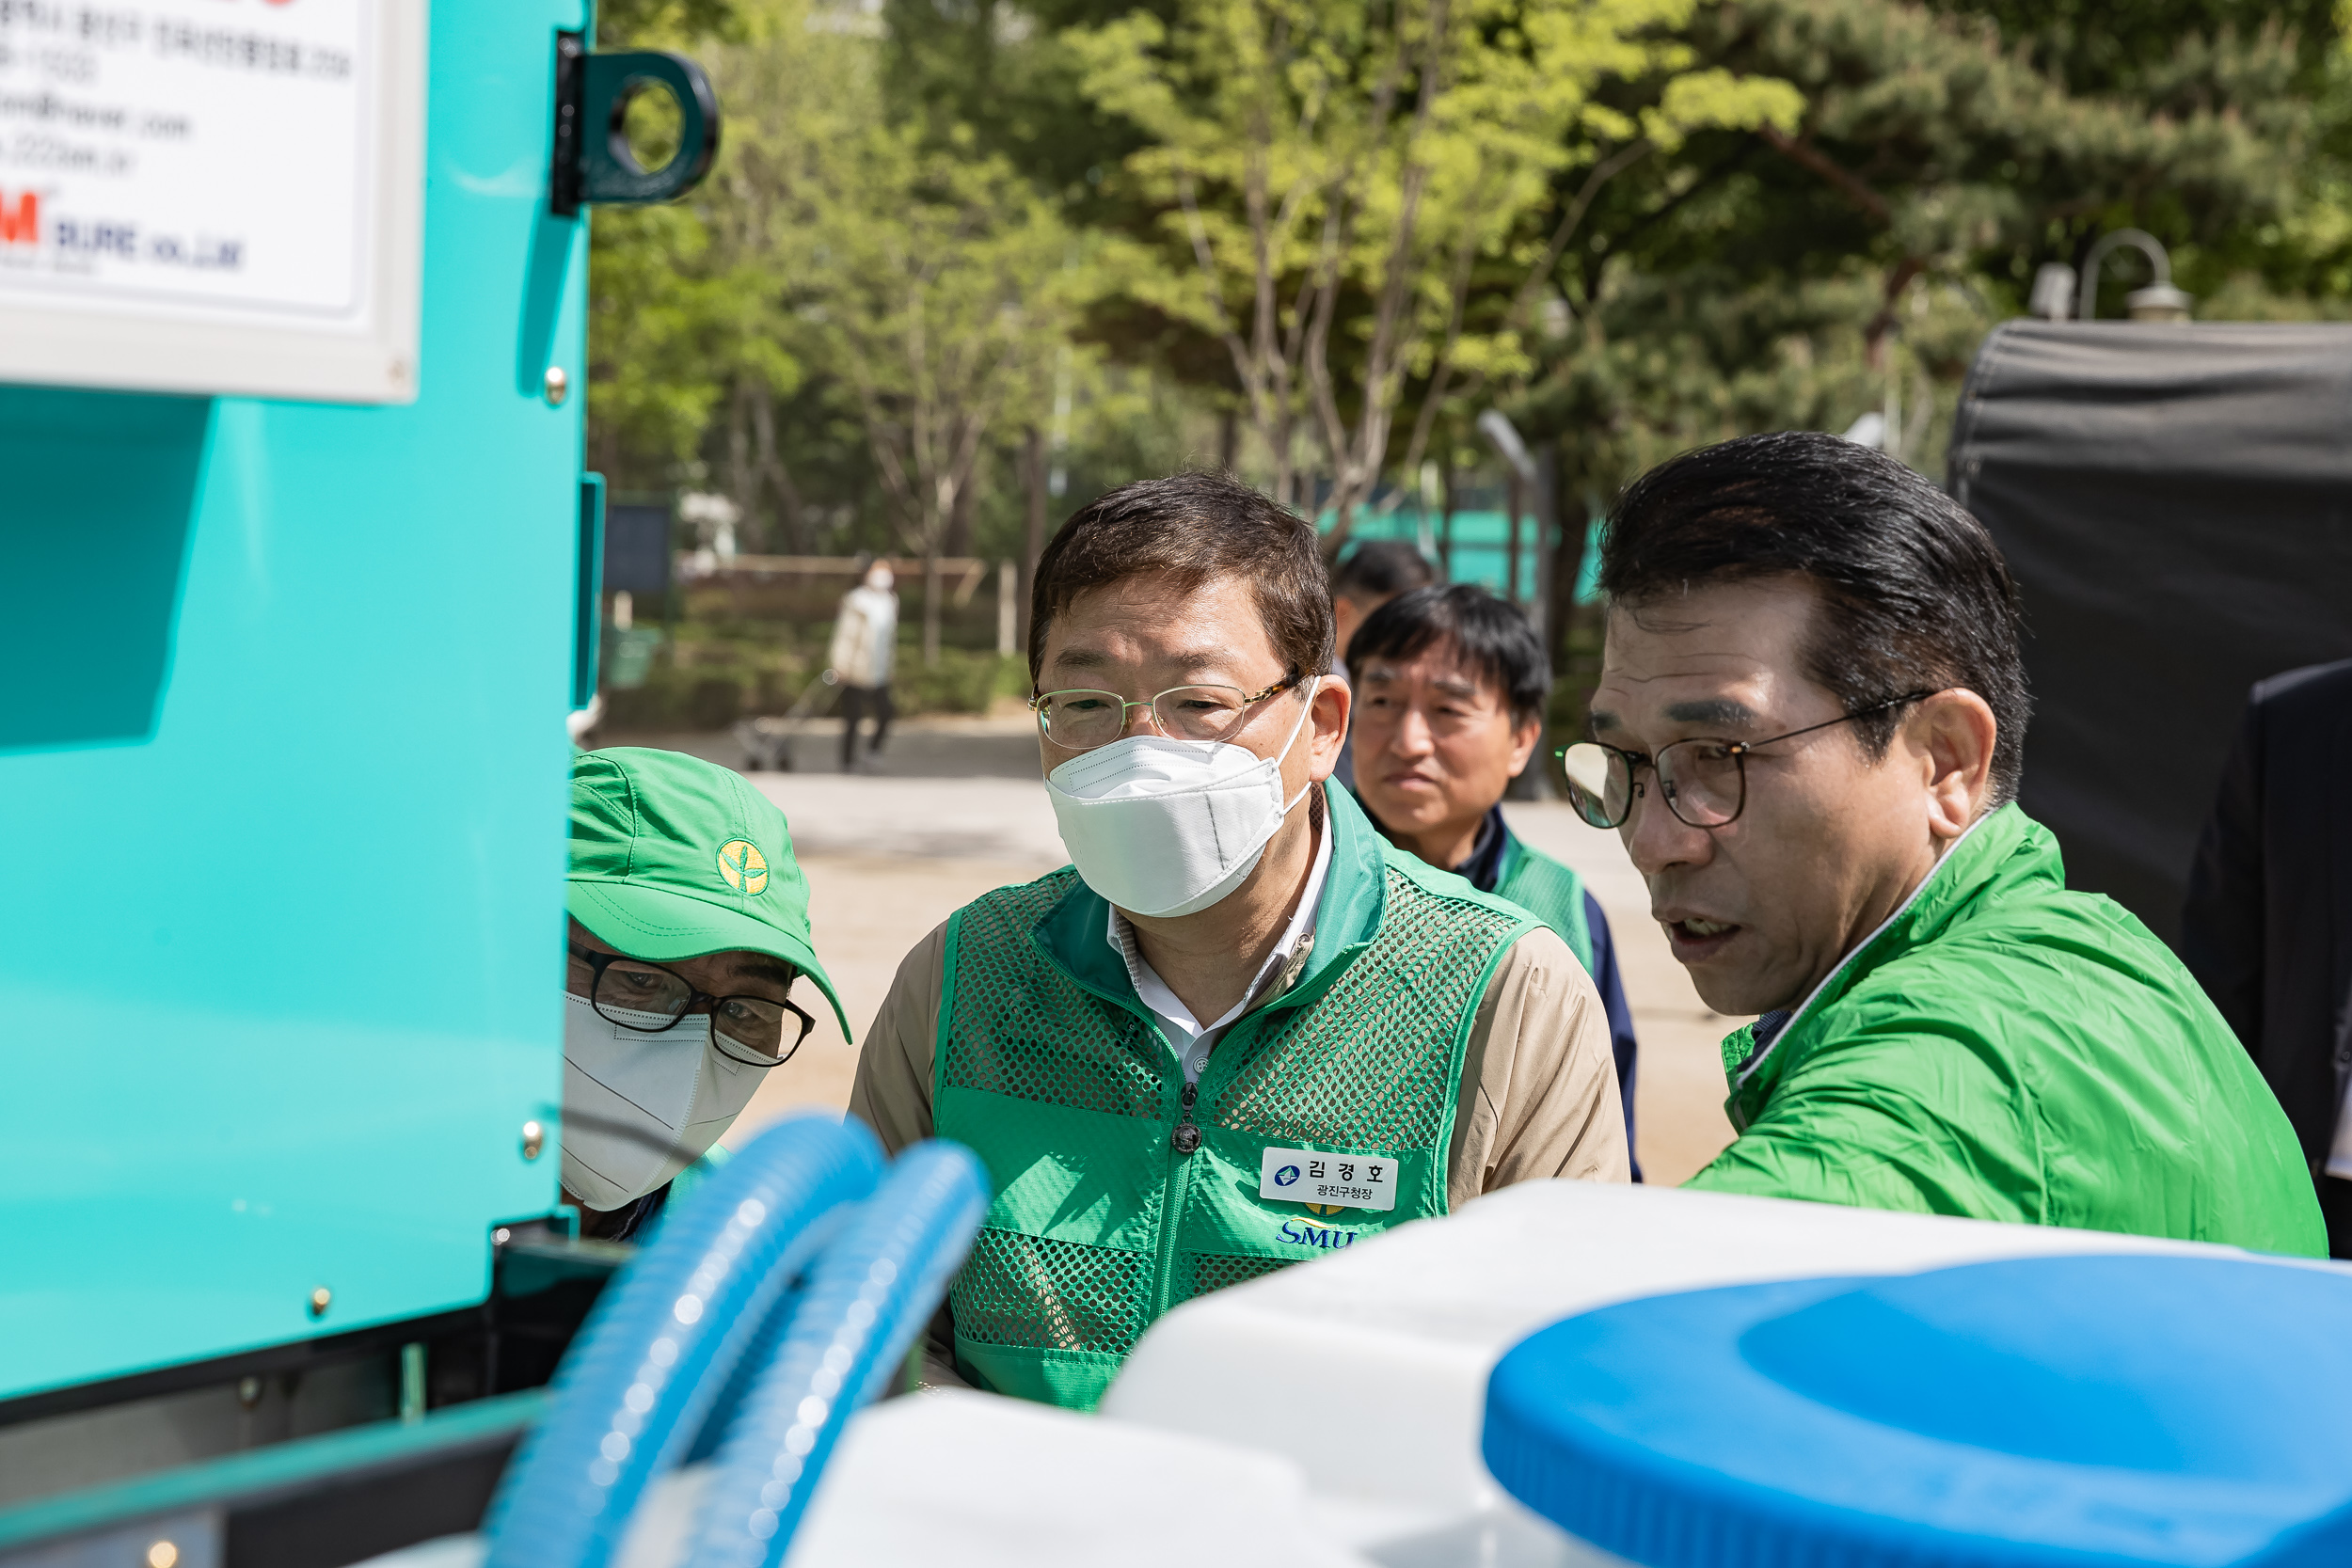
column 1809, row 729
column 1449, row 685
column 1240, row 1031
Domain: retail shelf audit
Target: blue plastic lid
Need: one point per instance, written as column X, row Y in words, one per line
column 2073, row 1411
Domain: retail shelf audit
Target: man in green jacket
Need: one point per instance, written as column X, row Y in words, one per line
column 1809, row 729
column 1239, row 1032
column 1450, row 685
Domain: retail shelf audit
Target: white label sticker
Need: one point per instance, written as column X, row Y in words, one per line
column 184, row 157
column 1327, row 1181
column 219, row 196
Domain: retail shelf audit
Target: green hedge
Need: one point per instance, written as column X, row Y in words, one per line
column 708, row 682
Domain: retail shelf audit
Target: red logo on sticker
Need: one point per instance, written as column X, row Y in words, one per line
column 20, row 221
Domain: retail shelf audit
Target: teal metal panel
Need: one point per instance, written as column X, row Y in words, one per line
column 588, row 604
column 1481, row 551
column 283, row 759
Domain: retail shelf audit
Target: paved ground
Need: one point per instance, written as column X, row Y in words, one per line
column 954, row 809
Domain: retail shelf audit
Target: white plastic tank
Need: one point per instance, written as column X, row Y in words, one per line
column 1368, row 1368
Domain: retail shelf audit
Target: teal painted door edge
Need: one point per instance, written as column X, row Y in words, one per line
column 588, row 625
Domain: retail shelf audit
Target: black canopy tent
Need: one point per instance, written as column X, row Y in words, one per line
column 2176, row 503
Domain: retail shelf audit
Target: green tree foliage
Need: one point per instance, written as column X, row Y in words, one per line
column 1806, row 275
column 1328, row 176
column 1942, row 155
column 1935, row 140
column 936, row 286
column 1633, row 225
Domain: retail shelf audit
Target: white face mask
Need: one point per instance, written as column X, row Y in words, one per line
column 1163, row 826
column 639, row 1108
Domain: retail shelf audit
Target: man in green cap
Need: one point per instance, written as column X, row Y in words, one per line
column 689, row 928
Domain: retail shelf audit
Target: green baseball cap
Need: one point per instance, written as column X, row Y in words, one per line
column 674, row 857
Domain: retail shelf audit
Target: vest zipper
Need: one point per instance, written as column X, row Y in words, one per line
column 1187, row 1137
column 1181, row 1143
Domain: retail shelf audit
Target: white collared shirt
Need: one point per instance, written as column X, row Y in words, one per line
column 1187, row 1037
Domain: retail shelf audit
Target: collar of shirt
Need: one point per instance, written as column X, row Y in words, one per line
column 1482, row 869
column 1187, row 1037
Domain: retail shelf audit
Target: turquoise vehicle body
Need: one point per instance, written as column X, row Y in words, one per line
column 284, row 761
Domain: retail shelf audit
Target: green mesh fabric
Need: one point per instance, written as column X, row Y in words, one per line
column 1022, row 1028
column 1545, row 888
column 1370, row 1064
column 1018, row 1290
column 1209, row 1271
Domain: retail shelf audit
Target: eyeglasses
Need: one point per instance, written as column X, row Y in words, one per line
column 750, row 1029
column 1705, row 783
column 1078, row 720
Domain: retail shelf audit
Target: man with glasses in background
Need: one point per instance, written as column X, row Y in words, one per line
column 689, row 929
column 1374, row 573
column 1809, row 731
column 1450, row 685
column 1240, row 1031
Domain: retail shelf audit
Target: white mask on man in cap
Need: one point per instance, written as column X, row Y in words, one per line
column 689, row 934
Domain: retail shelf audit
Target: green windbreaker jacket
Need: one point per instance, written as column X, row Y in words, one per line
column 2007, row 1049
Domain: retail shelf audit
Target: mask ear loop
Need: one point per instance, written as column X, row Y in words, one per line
column 1314, row 684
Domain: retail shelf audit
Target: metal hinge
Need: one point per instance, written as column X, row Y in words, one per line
column 592, row 162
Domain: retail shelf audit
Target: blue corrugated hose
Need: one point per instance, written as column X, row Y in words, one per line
column 643, row 1374
column 865, row 1300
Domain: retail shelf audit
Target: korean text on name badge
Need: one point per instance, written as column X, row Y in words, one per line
column 1313, row 1176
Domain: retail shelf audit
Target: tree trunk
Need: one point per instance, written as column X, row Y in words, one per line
column 1033, row 480
column 930, row 606
column 1445, row 518
column 959, row 540
column 791, row 512
column 742, row 474
column 1228, row 439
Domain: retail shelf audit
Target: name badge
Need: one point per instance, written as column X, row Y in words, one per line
column 1331, row 1181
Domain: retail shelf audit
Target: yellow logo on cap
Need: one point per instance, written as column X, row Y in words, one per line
column 743, row 866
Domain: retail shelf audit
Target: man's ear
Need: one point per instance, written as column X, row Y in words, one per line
column 1953, row 733
column 1327, row 726
column 1524, row 739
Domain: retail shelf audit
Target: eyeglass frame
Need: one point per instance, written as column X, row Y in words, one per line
column 599, row 963
column 1739, row 750
column 1250, row 699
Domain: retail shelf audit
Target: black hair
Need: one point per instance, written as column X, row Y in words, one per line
column 1382, row 569
column 1914, row 595
column 1191, row 528
column 1488, row 634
